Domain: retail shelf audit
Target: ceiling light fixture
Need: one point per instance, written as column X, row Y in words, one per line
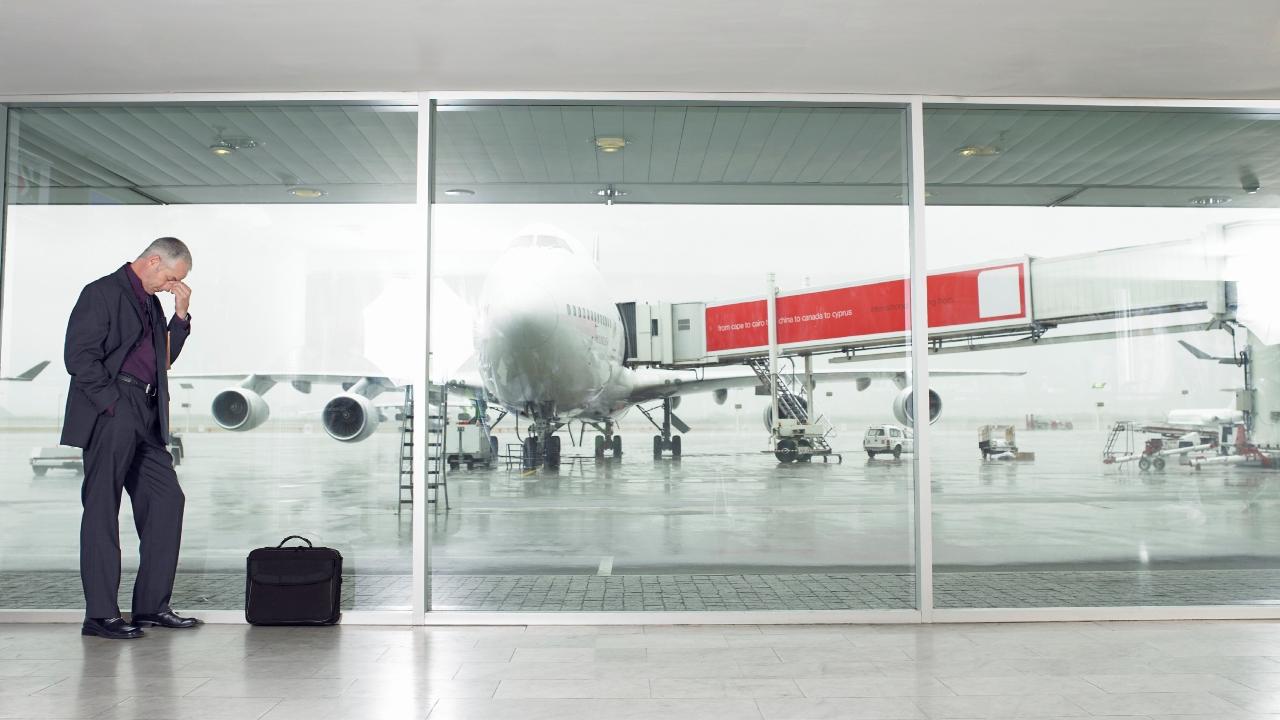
column 223, row 147
column 1209, row 200
column 610, row 144
column 306, row 193
column 610, row 193
column 979, row 151
column 459, row 192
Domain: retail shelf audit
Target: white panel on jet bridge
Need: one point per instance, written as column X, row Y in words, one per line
column 1145, row 279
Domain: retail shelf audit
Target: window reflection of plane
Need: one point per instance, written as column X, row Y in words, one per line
column 550, row 346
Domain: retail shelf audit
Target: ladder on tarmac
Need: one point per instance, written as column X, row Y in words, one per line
column 404, row 489
column 437, row 433
column 1120, row 442
column 436, row 480
column 793, row 405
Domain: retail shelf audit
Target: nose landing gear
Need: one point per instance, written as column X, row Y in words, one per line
column 608, row 443
column 541, row 447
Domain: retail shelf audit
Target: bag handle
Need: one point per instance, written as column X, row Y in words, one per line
column 295, row 537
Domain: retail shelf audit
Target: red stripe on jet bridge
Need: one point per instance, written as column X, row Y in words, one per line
column 974, row 297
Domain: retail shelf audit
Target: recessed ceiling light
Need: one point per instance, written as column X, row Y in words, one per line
column 1209, row 200
column 979, row 151
column 306, row 193
column 459, row 192
column 610, row 144
column 222, row 147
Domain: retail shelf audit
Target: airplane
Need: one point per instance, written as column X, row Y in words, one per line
column 550, row 347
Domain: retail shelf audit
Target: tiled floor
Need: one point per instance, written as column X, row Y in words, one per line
column 1185, row 670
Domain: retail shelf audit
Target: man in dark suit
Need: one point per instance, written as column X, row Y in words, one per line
column 118, row 352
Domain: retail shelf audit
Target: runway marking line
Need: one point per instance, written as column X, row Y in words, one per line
column 606, row 566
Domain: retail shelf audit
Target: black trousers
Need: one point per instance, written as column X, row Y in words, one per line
column 127, row 452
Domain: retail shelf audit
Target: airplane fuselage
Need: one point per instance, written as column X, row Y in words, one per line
column 550, row 342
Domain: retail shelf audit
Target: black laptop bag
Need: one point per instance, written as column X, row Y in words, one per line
column 293, row 585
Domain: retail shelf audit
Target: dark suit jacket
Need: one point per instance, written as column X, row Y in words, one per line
column 105, row 325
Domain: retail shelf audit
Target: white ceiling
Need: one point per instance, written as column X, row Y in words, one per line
column 1104, row 48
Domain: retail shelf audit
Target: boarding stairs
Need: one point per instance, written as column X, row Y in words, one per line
column 1120, row 442
column 793, row 405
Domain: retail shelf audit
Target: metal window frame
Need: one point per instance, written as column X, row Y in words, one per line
column 427, row 102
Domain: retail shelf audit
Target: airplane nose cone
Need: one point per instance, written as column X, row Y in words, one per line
column 524, row 317
column 526, row 330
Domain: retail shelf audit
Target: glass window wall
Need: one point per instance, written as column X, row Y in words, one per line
column 1133, row 462
column 600, row 275
column 599, row 432
column 307, row 316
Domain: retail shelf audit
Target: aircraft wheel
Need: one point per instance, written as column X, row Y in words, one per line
column 529, row 453
column 657, row 447
column 675, row 447
column 599, row 447
column 785, row 450
column 617, row 447
column 551, row 458
column 1158, row 464
column 1144, row 464
column 897, row 451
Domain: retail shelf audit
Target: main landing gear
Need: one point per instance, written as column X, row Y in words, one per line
column 665, row 440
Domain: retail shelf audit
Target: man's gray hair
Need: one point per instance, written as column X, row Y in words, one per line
column 170, row 249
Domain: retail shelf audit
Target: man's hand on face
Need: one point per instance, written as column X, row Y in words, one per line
column 182, row 297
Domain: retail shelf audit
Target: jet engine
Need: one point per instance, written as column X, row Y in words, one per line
column 784, row 412
column 904, row 409
column 239, row 409
column 350, row 417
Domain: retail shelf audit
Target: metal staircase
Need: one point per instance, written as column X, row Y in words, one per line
column 793, row 405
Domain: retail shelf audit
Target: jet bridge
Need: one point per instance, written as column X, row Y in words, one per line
column 1007, row 303
column 1023, row 298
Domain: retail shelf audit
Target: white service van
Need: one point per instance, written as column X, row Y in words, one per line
column 888, row 439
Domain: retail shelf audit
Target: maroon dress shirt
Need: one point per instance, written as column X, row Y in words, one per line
column 141, row 360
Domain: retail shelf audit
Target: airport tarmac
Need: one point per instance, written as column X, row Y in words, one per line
column 725, row 528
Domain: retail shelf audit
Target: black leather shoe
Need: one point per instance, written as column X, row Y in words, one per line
column 164, row 619
column 110, row 628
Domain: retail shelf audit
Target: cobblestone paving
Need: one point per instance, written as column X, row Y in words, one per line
column 813, row 591
column 191, row 591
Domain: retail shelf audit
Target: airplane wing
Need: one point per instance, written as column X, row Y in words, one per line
column 30, row 374
column 301, row 382
column 663, row 385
